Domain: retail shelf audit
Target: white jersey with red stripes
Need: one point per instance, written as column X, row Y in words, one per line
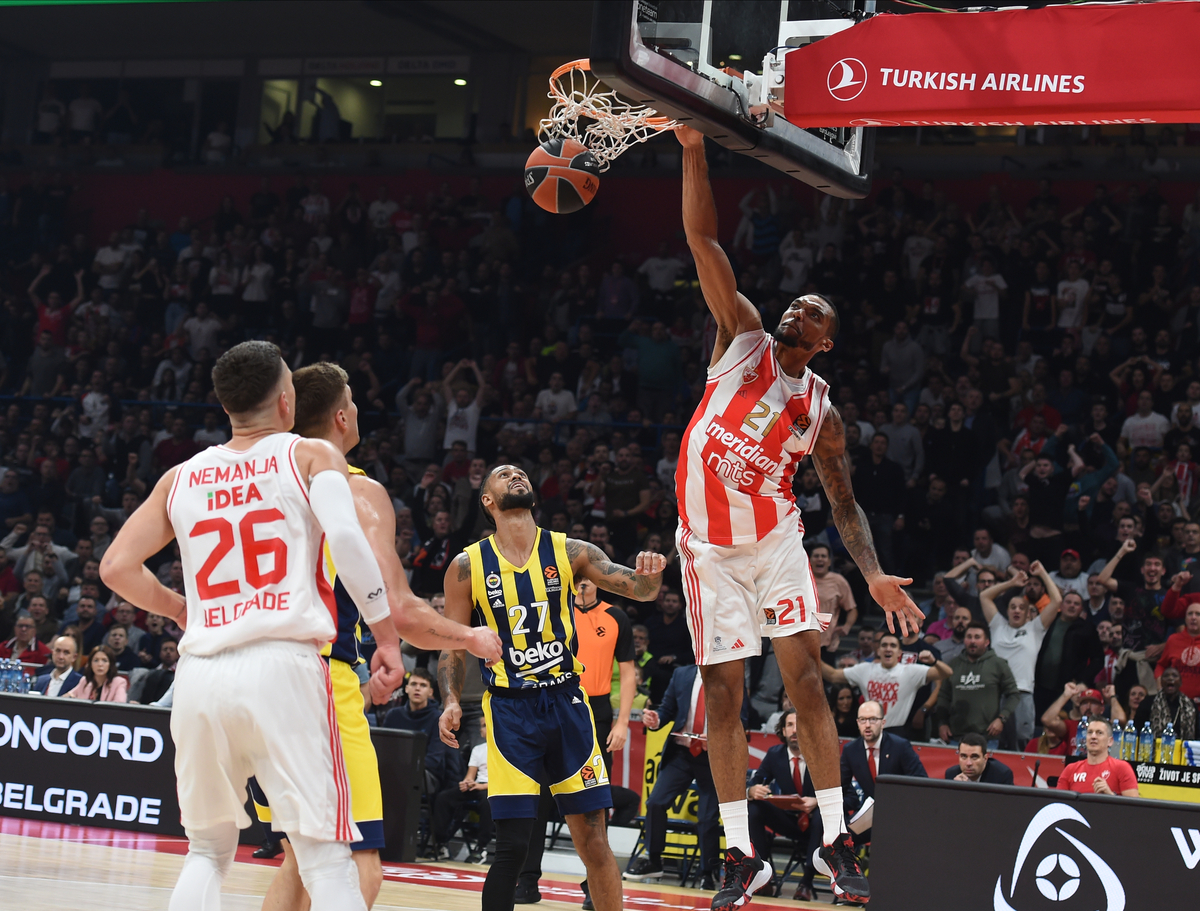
column 251, row 549
column 752, row 428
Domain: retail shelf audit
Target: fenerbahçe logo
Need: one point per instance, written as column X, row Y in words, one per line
column 847, row 79
column 1059, row 875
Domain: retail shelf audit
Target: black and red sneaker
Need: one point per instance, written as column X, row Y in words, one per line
column 839, row 862
column 744, row 875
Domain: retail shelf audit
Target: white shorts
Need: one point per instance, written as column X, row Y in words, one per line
column 738, row 594
column 266, row 710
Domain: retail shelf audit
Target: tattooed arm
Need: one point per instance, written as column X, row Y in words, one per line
column 452, row 668
column 640, row 584
column 833, row 467
column 415, row 621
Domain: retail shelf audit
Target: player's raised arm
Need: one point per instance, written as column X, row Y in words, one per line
column 333, row 504
column 833, row 467
column 143, row 535
column 640, row 583
column 733, row 312
column 452, row 667
column 415, row 621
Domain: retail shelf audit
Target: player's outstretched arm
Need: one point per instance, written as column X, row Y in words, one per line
column 333, row 505
column 733, row 312
column 452, row 667
column 641, row 583
column 143, row 535
column 415, row 621
column 833, row 468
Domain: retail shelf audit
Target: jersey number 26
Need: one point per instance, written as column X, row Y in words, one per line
column 251, row 547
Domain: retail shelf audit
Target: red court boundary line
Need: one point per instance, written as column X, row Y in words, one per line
column 436, row 876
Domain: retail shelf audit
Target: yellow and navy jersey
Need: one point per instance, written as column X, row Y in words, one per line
column 531, row 608
column 347, row 644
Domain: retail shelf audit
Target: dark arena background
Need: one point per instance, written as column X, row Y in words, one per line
column 1002, row 206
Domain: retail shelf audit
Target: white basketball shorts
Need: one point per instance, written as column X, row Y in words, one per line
column 740, row 593
column 267, row 710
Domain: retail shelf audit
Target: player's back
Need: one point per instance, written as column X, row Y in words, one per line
column 740, row 452
column 250, row 548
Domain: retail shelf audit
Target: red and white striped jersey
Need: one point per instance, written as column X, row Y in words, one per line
column 251, row 549
column 752, row 428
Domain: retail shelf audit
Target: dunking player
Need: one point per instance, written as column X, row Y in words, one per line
column 520, row 582
column 325, row 410
column 745, row 570
column 252, row 694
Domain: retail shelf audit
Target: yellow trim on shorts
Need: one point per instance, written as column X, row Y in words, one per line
column 362, row 765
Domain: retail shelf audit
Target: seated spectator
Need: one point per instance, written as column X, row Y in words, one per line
column 472, row 790
column 843, row 704
column 100, row 682
column 974, row 763
column 125, row 657
column 669, row 639
column 684, row 762
column 60, row 676
column 873, row 753
column 1170, row 706
column 1099, row 773
column 46, row 626
column 1049, row 744
column 85, row 627
column 783, row 773
column 25, row 644
column 1182, row 652
column 153, row 685
column 420, row 713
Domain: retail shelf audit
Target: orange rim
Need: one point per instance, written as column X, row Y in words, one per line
column 585, row 65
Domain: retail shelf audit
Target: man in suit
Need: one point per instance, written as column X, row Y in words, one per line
column 873, row 753
column 59, row 677
column 783, row 772
column 974, row 764
column 684, row 760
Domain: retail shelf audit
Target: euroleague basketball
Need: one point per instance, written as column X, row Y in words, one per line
column 562, row 176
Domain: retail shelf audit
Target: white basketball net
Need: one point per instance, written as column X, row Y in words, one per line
column 613, row 124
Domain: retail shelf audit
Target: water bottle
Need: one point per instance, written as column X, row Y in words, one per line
column 1166, row 754
column 24, row 680
column 6, row 676
column 1145, row 751
column 1129, row 742
column 14, row 676
column 1081, row 737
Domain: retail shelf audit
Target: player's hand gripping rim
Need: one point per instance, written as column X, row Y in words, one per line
column 889, row 594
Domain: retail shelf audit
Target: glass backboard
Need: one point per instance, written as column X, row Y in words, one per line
column 701, row 62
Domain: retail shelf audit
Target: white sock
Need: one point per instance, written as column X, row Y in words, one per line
column 833, row 816
column 737, row 826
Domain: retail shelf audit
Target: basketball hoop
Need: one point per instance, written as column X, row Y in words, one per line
column 615, row 124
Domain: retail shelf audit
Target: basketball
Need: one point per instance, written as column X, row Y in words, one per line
column 562, row 176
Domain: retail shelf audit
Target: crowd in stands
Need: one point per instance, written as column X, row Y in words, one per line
column 1020, row 387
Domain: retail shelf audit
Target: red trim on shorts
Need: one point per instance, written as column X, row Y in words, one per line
column 295, row 470
column 341, row 782
column 692, row 584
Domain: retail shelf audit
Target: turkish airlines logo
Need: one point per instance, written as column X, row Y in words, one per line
column 847, row 78
column 1057, row 876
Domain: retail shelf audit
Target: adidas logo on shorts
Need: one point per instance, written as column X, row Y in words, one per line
column 739, row 644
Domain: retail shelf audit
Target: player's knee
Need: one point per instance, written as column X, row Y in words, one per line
column 217, row 845
column 323, row 860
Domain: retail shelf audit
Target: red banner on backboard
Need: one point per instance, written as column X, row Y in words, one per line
column 1093, row 64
